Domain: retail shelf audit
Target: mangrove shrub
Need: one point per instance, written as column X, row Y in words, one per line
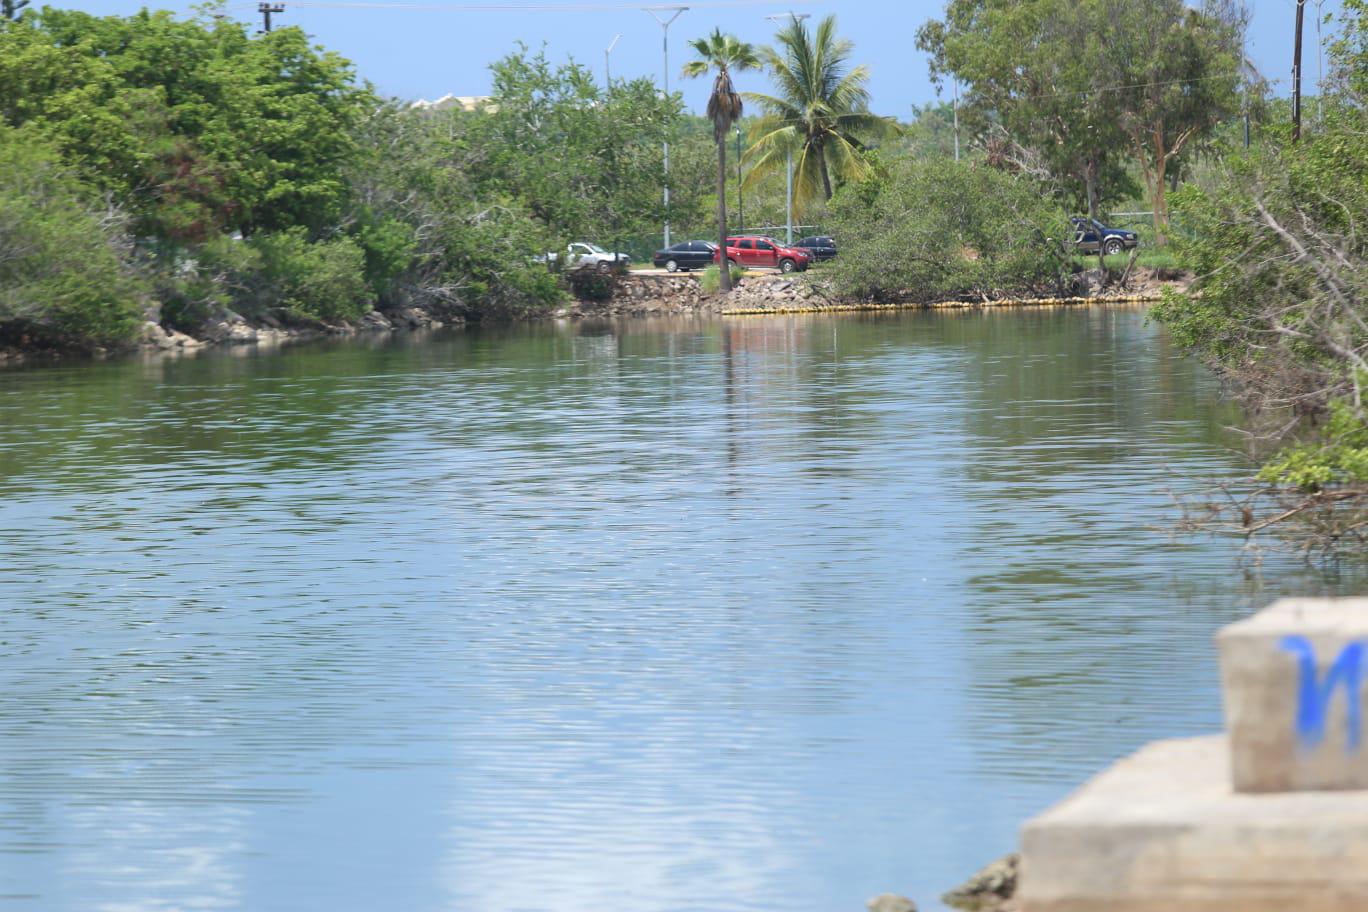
column 934, row 229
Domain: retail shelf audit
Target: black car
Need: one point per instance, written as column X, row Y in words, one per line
column 686, row 255
column 1089, row 233
column 819, row 247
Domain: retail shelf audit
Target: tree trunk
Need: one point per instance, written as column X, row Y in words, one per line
column 1157, row 186
column 1091, row 178
column 822, row 167
column 723, row 267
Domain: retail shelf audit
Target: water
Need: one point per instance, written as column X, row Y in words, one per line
column 766, row 614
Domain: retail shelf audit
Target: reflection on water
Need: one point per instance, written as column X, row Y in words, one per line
column 747, row 615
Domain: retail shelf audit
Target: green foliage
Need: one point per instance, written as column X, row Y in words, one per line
column 1076, row 80
column 1281, row 299
column 819, row 116
column 1338, row 456
column 325, row 280
column 62, row 276
column 710, row 280
column 937, row 229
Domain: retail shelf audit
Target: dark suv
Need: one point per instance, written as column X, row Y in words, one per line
column 819, row 247
column 1089, row 233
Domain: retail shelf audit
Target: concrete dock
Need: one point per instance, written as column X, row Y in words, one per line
column 1273, row 816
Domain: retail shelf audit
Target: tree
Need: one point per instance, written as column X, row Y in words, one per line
column 63, row 268
column 1177, row 74
column 819, row 113
column 9, row 9
column 1039, row 71
column 722, row 53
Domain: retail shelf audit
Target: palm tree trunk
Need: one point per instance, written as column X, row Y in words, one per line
column 724, row 268
column 822, row 167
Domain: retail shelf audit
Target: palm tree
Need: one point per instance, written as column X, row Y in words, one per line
column 820, row 109
column 723, row 53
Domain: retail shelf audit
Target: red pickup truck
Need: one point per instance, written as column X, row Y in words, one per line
column 756, row 250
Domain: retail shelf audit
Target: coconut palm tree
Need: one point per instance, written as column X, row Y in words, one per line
column 723, row 53
column 821, row 109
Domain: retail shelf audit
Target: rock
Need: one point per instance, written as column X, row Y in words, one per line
column 375, row 320
column 890, row 902
column 153, row 336
column 990, row 890
column 182, row 341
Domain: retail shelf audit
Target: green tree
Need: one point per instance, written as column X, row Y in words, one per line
column 9, row 9
column 1075, row 80
column 1036, row 70
column 722, row 53
column 1177, row 75
column 63, row 268
column 820, row 114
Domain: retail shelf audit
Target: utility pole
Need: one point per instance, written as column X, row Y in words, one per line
column 655, row 12
column 1296, row 73
column 607, row 73
column 1320, row 68
column 266, row 9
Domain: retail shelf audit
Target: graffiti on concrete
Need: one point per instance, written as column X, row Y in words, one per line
column 1314, row 693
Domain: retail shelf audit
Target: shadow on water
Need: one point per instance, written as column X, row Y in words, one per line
column 663, row 615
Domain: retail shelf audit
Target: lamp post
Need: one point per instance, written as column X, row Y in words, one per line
column 656, row 14
column 788, row 153
column 608, row 73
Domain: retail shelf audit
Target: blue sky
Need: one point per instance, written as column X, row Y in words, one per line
column 429, row 52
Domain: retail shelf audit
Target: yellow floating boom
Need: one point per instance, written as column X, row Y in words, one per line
column 1019, row 302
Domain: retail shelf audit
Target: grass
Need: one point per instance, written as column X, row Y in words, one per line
column 1148, row 259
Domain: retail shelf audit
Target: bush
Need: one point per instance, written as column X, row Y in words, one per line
column 934, row 229
column 325, row 280
column 64, row 273
column 711, row 279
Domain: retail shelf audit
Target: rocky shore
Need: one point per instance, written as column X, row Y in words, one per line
column 633, row 295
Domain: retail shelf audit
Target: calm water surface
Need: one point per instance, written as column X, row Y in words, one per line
column 768, row 614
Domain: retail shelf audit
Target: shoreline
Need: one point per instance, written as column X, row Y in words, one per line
column 634, row 295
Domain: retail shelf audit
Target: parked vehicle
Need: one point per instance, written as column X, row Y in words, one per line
column 686, row 255
column 820, row 247
column 583, row 255
column 765, row 251
column 1089, row 233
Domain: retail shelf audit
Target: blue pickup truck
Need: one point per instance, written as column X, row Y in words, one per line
column 1089, row 234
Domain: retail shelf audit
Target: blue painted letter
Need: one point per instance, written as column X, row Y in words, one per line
column 1314, row 696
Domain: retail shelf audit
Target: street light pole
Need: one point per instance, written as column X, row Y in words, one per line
column 608, row 73
column 655, row 12
column 788, row 153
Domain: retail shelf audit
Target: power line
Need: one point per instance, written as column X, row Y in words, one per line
column 527, row 8
column 1137, row 85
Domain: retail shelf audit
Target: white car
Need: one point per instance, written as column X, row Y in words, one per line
column 583, row 255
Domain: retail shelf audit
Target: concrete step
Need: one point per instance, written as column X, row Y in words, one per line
column 1165, row 831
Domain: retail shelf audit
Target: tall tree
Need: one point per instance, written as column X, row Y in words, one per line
column 1078, row 80
column 9, row 9
column 819, row 113
column 1038, row 70
column 1178, row 74
column 722, row 53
